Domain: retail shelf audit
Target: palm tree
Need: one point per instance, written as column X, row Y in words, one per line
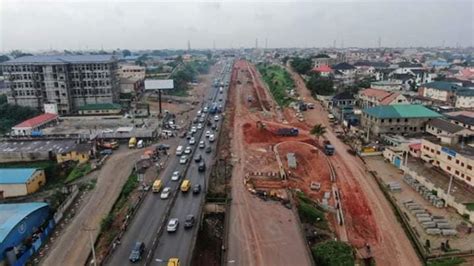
column 318, row 131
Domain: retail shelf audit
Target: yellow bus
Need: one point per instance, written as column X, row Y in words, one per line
column 186, row 185
column 157, row 186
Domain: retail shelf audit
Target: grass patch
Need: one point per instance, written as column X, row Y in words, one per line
column 310, row 213
column 446, row 262
column 183, row 92
column 130, row 185
column 333, row 253
column 279, row 81
column 79, row 171
column 470, row 206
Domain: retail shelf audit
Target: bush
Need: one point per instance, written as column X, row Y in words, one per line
column 446, row 262
column 333, row 253
column 310, row 214
column 106, row 222
column 79, row 171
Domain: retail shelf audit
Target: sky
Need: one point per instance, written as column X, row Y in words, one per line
column 145, row 24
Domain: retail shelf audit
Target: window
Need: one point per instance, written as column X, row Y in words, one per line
column 456, row 172
column 449, row 158
column 390, row 120
column 448, row 168
column 462, row 164
column 469, row 167
column 468, row 178
column 457, row 161
column 382, row 120
column 437, row 152
column 398, row 120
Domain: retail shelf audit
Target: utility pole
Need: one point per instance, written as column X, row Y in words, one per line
column 89, row 230
column 449, row 190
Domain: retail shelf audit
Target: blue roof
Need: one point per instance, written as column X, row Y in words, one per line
column 16, row 175
column 401, row 111
column 14, row 213
column 55, row 59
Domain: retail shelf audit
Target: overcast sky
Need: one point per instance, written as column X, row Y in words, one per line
column 88, row 24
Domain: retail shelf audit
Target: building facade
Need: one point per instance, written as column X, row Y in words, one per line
column 70, row 81
column 15, row 182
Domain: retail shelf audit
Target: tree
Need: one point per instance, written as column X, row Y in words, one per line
column 333, row 253
column 318, row 131
column 302, row 65
column 18, row 53
column 320, row 85
column 126, row 53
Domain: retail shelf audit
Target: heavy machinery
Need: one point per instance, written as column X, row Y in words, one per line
column 284, row 131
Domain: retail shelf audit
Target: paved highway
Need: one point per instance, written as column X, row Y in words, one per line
column 180, row 244
column 149, row 218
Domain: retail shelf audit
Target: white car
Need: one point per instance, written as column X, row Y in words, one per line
column 201, row 144
column 193, row 129
column 187, row 150
column 211, row 138
column 216, row 118
column 199, row 126
column 205, row 109
column 203, row 115
column 175, row 176
column 192, row 141
column 183, row 159
column 208, row 133
column 165, row 193
column 172, row 225
column 199, row 112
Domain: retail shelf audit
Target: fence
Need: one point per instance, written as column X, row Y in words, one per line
column 58, row 215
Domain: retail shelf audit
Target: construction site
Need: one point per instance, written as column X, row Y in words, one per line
column 276, row 156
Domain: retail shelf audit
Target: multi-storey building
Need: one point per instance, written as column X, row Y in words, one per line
column 69, row 81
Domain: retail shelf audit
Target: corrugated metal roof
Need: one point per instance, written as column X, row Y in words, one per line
column 12, row 214
column 15, row 175
column 37, row 121
column 445, row 125
column 401, row 111
column 58, row 59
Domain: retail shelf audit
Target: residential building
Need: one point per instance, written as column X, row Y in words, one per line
column 16, row 182
column 34, row 125
column 131, row 85
column 396, row 119
column 446, row 131
column 79, row 153
column 345, row 69
column 324, row 71
column 455, row 160
column 388, row 85
column 100, row 109
column 374, row 97
column 439, row 90
column 464, row 98
column 323, row 61
column 343, row 99
column 70, row 81
column 132, row 71
column 464, row 119
column 24, row 227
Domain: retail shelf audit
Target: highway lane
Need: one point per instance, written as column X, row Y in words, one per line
column 148, row 219
column 180, row 244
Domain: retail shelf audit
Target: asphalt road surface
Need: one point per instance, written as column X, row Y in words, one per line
column 149, row 218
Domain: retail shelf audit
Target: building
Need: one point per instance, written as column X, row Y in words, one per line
column 387, row 85
column 16, row 182
column 464, row 119
column 100, row 109
column 131, row 85
column 324, row 71
column 343, row 99
column 22, row 226
column 455, row 160
column 439, row 90
column 464, row 98
column 80, row 153
column 447, row 131
column 70, row 81
column 132, row 71
column 345, row 68
column 33, row 150
column 396, row 119
column 34, row 125
column 375, row 97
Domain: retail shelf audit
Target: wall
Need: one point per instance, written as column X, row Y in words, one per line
column 464, row 102
column 449, row 199
column 6, row 157
column 454, row 164
column 36, row 181
column 13, row 190
column 393, row 125
column 440, row 95
column 72, row 156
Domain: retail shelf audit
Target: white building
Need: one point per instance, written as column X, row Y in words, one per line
column 464, row 98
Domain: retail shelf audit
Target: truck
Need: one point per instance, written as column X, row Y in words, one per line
column 132, row 142
column 288, row 132
column 329, row 149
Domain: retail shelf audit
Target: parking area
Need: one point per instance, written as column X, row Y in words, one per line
column 422, row 214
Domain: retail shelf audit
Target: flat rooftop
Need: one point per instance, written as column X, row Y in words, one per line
column 61, row 59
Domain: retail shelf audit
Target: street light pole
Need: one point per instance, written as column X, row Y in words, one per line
column 94, row 259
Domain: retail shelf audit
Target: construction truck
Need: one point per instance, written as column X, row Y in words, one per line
column 329, row 149
column 113, row 145
column 287, row 132
column 132, row 142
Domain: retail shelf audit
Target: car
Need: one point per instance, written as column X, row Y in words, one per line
column 205, row 109
column 175, row 176
column 137, row 251
column 197, row 189
column 189, row 221
column 203, row 116
column 216, row 118
column 202, row 166
column 214, row 127
column 199, row 126
column 208, row 149
column 201, row 120
column 172, row 225
column 183, row 159
column 187, row 150
column 212, row 138
column 208, row 133
column 189, row 135
column 195, row 120
column 192, row 141
column 199, row 112
column 173, row 262
column 193, row 129
column 202, row 145
column 220, row 99
column 197, row 158
column 165, row 193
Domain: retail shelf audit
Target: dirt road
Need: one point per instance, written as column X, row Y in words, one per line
column 73, row 246
column 261, row 232
column 366, row 207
